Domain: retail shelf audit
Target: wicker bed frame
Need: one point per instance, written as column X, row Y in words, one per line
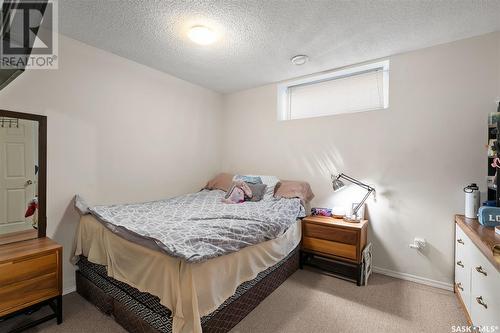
column 142, row 312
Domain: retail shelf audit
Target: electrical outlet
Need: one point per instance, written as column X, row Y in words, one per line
column 418, row 243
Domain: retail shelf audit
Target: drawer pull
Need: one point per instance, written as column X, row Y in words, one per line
column 459, row 263
column 480, row 301
column 460, row 241
column 479, row 269
column 459, row 286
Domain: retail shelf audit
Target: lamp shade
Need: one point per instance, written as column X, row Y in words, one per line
column 337, row 184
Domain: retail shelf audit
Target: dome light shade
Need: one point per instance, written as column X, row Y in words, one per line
column 299, row 60
column 202, row 35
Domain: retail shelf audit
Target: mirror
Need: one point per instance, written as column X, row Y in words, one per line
column 22, row 177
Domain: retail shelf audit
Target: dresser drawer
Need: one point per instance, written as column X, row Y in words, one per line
column 483, row 272
column 328, row 247
column 16, row 271
column 485, row 291
column 331, row 234
column 28, row 291
column 462, row 284
column 485, row 300
column 463, row 244
column 462, row 266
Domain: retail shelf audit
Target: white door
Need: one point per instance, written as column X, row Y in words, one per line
column 17, row 175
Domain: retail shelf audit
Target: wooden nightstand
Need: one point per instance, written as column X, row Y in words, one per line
column 334, row 245
column 30, row 276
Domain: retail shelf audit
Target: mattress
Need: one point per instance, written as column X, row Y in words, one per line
column 190, row 290
column 199, row 226
column 148, row 308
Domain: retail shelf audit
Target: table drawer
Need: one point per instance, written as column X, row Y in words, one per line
column 332, row 234
column 328, row 247
column 28, row 291
column 16, row 271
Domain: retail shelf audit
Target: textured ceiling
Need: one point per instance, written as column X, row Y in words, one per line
column 257, row 38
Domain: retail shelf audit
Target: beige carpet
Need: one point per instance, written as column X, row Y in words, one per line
column 311, row 302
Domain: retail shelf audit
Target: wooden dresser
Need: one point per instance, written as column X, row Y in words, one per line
column 334, row 245
column 477, row 273
column 31, row 275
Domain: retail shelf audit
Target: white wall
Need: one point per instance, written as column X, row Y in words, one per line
column 122, row 132
column 117, row 132
column 418, row 154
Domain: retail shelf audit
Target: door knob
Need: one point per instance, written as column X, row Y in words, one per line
column 460, row 241
column 29, row 182
column 459, row 286
column 459, row 263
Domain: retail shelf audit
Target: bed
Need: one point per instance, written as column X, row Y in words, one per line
column 157, row 281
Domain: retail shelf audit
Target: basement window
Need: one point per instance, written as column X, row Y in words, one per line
column 355, row 89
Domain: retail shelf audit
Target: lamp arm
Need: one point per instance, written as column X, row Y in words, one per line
column 355, row 211
column 367, row 187
column 355, row 181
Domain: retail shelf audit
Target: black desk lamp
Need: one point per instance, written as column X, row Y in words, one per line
column 337, row 184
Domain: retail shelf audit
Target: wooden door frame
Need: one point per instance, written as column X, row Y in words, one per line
column 42, row 164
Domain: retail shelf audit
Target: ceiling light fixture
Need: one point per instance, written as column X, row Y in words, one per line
column 202, row 35
column 299, row 60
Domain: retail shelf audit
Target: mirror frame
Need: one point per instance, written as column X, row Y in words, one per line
column 42, row 164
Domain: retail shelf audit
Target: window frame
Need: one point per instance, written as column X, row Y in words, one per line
column 284, row 112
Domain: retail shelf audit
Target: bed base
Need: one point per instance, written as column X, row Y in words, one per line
column 106, row 296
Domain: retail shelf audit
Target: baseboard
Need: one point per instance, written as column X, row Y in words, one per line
column 414, row 278
column 383, row 271
column 69, row 289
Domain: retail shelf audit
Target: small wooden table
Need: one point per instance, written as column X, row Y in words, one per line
column 31, row 276
column 334, row 245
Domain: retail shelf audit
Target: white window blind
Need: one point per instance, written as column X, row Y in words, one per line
column 356, row 89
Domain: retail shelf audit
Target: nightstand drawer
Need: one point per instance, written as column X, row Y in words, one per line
column 328, row 247
column 331, row 234
column 28, row 292
column 16, row 271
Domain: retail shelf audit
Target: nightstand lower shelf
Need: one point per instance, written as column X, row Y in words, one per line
column 341, row 269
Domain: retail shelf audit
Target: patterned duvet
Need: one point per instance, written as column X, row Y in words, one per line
column 199, row 226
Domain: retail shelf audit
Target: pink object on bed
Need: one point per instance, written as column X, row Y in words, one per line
column 238, row 192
